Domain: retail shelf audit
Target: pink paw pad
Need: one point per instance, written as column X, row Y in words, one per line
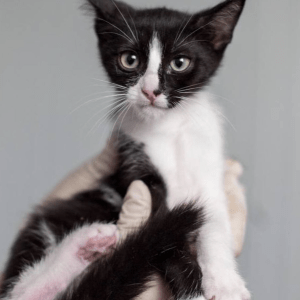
column 48, row 277
column 100, row 240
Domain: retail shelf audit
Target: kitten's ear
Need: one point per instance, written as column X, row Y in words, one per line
column 109, row 9
column 221, row 21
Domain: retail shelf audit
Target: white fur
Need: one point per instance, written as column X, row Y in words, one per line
column 48, row 236
column 149, row 81
column 46, row 278
column 186, row 145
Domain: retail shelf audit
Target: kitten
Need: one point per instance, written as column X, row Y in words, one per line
column 162, row 59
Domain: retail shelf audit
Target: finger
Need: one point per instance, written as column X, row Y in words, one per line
column 86, row 176
column 236, row 203
column 136, row 208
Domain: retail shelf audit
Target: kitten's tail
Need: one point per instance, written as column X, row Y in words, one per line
column 162, row 246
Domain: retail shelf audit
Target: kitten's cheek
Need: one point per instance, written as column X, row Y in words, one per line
column 135, row 96
column 161, row 102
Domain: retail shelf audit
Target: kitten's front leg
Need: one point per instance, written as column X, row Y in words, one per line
column 221, row 280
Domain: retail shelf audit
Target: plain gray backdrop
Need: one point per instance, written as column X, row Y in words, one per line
column 48, row 59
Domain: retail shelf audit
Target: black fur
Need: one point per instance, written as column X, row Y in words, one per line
column 61, row 218
column 162, row 246
column 202, row 37
column 134, row 164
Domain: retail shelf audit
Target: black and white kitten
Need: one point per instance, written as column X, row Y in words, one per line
column 162, row 59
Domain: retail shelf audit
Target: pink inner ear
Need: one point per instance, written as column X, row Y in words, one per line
column 224, row 22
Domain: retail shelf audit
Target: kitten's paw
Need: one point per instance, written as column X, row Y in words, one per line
column 96, row 240
column 224, row 284
column 84, row 245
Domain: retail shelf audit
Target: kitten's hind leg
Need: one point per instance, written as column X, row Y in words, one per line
column 160, row 247
column 45, row 279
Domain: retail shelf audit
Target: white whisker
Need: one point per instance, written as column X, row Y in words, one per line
column 111, row 83
column 188, row 87
column 120, row 114
column 95, row 100
column 187, row 112
column 114, row 104
column 194, row 32
column 124, row 20
column 177, row 38
column 221, row 97
column 117, row 93
column 131, row 41
column 191, row 42
column 136, row 32
column 226, row 119
column 107, row 115
column 185, row 102
column 111, row 32
column 123, row 119
column 190, row 90
column 216, row 110
column 99, row 93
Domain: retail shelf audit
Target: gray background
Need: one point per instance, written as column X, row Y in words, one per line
column 48, row 58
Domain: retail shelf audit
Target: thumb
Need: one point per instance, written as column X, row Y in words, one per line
column 136, row 208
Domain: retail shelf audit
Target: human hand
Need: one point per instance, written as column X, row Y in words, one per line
column 88, row 175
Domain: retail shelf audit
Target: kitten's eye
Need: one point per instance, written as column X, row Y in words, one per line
column 129, row 61
column 180, row 64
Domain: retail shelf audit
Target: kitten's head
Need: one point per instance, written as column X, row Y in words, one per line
column 159, row 57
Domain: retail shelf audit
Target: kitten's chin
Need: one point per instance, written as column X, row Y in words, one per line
column 148, row 112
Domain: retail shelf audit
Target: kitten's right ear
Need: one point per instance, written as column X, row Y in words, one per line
column 108, row 9
column 220, row 21
column 102, row 8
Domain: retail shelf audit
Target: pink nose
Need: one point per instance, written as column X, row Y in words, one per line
column 151, row 95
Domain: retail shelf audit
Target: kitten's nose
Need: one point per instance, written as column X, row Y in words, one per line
column 151, row 95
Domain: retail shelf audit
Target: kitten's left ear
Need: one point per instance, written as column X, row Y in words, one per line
column 221, row 21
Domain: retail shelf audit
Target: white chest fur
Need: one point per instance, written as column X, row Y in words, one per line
column 186, row 147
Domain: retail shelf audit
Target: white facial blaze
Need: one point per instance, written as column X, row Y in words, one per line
column 150, row 80
column 155, row 107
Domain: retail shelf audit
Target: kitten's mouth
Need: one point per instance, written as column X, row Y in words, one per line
column 151, row 105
